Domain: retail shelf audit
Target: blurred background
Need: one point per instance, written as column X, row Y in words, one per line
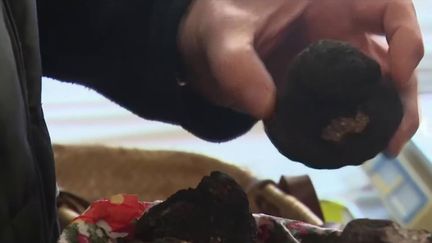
column 400, row 189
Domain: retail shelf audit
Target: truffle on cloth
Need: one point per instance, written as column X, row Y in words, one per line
column 382, row 231
column 216, row 211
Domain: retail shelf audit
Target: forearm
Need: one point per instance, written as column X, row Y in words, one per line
column 127, row 51
column 85, row 32
column 102, row 44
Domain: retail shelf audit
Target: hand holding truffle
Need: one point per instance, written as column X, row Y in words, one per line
column 336, row 108
column 238, row 53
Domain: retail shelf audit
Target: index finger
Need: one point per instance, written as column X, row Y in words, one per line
column 242, row 76
column 405, row 40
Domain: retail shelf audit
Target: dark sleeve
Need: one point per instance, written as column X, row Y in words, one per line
column 126, row 50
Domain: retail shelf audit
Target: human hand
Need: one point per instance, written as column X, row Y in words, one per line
column 401, row 56
column 238, row 51
column 223, row 43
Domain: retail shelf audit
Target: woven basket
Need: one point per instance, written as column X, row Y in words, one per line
column 94, row 172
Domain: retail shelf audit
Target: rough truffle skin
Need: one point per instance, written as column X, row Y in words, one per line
column 381, row 231
column 216, row 211
column 327, row 81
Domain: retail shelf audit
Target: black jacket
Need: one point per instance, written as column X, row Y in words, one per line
column 126, row 50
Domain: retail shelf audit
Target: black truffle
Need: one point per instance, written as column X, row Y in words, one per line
column 216, row 211
column 335, row 109
column 381, row 231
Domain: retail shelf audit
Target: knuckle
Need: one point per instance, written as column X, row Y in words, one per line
column 419, row 47
column 413, row 125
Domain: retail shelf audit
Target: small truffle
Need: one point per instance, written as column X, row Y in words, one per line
column 381, row 231
column 335, row 109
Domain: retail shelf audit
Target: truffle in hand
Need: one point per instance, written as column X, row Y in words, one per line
column 335, row 109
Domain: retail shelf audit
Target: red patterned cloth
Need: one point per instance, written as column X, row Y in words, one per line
column 108, row 220
column 286, row 230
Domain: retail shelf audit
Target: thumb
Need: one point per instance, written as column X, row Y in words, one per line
column 242, row 78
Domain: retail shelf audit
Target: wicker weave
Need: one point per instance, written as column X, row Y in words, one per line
column 95, row 172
